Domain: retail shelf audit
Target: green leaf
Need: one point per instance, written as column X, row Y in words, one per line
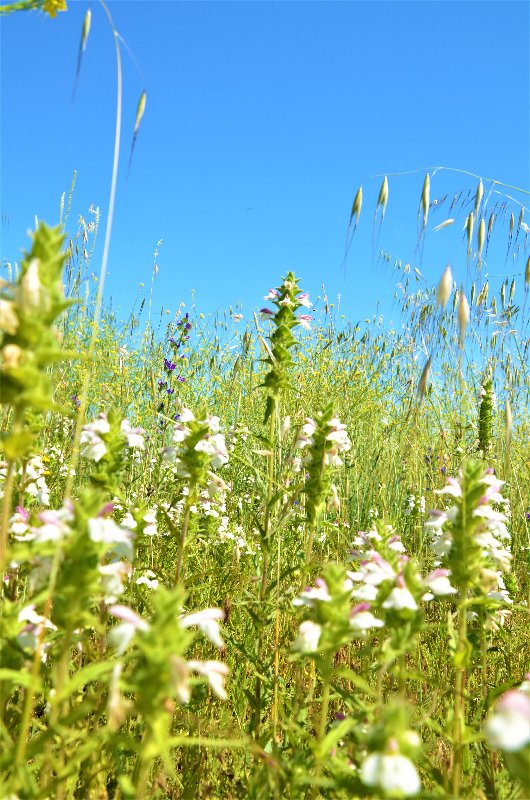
column 17, row 445
column 16, row 677
column 89, row 674
column 336, row 733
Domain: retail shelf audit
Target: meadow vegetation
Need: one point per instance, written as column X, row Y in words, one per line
column 267, row 555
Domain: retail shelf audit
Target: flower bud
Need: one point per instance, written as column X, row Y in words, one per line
column 8, row 317
column 11, row 356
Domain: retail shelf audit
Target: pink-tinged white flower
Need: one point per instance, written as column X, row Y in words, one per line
column 135, row 436
column 30, row 634
column 394, row 774
column 305, row 321
column 286, row 302
column 237, row 317
column 303, row 300
column 100, row 426
column 439, row 584
column 112, row 577
column 437, row 519
column 362, row 619
column 149, row 579
column 400, row 598
column 95, row 448
column 272, row 295
column 442, row 544
column 186, row 415
column 180, row 678
column 215, row 672
column 308, row 637
column 508, row 727
column 452, row 488
column 31, row 289
column 28, row 614
column 312, row 594
column 215, row 446
column 151, row 527
column 39, row 490
column 366, row 593
column 121, row 634
column 266, row 313
column 208, row 622
column 374, row 571
column 106, row 531
column 18, row 523
column 117, row 705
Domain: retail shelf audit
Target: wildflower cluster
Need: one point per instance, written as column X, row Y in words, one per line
column 333, row 620
column 323, row 440
column 171, row 372
column 389, row 767
column 470, row 538
column 198, row 445
column 102, row 441
column 507, row 728
column 287, row 298
column 386, row 576
column 29, row 340
column 154, row 669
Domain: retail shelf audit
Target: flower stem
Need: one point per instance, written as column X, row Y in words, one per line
column 459, row 705
column 185, row 523
column 265, row 567
column 8, row 493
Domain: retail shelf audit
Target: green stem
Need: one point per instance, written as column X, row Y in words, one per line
column 7, row 499
column 323, row 721
column 142, row 768
column 74, row 457
column 459, row 712
column 265, row 567
column 184, row 532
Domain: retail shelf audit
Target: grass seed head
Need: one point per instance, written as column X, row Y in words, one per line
column 382, row 200
column 478, row 196
column 425, row 198
column 422, row 385
column 357, row 205
column 463, row 316
column 445, row 285
column 469, row 226
column 481, row 237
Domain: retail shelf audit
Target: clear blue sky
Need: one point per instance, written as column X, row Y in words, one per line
column 262, row 119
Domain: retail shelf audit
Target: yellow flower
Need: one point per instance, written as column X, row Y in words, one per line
column 51, row 7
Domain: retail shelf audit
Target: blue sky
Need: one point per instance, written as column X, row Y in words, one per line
column 262, row 119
